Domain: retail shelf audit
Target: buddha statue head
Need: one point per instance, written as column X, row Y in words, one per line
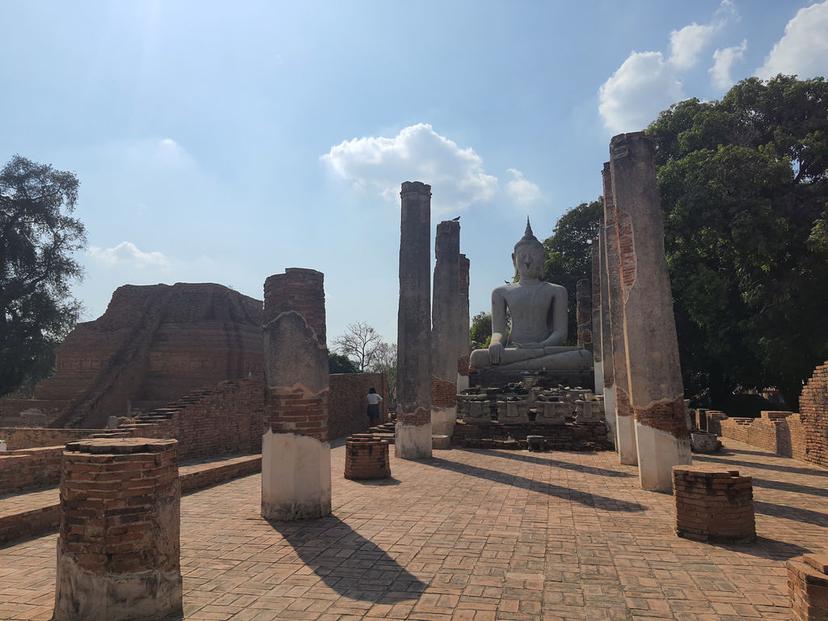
column 528, row 256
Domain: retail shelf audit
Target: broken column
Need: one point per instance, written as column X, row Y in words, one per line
column 618, row 391
column 808, row 587
column 118, row 552
column 296, row 456
column 413, row 428
column 597, row 359
column 583, row 313
column 445, row 325
column 463, row 341
column 655, row 384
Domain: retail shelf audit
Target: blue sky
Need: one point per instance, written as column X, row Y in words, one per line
column 223, row 142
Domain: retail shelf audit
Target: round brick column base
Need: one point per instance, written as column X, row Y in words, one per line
column 366, row 457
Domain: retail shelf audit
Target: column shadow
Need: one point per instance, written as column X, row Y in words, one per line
column 349, row 563
column 817, row 472
column 790, row 487
column 531, row 459
column 791, row 513
column 585, row 498
column 771, row 549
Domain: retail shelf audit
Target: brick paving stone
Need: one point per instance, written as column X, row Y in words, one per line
column 476, row 536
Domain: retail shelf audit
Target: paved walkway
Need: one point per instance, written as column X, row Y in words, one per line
column 477, row 535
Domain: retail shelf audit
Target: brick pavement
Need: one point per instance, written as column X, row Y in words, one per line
column 477, row 536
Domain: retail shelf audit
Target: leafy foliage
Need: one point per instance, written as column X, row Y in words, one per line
column 337, row 363
column 568, row 251
column 480, row 332
column 38, row 238
column 745, row 194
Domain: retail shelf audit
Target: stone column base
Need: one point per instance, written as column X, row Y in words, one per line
column 658, row 452
column 808, row 587
column 714, row 504
column 598, row 374
column 296, row 477
column 443, row 420
column 412, row 441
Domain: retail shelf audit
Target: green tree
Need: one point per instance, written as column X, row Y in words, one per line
column 745, row 195
column 338, row 363
column 480, row 332
column 568, row 251
column 38, row 240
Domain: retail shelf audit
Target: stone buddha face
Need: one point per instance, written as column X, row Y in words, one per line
column 528, row 258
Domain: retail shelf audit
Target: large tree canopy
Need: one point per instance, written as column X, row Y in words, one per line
column 38, row 239
column 745, row 196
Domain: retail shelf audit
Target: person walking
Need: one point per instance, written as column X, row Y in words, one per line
column 374, row 401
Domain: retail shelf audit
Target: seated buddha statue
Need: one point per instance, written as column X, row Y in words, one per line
column 538, row 310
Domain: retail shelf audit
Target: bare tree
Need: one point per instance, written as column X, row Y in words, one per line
column 385, row 362
column 359, row 343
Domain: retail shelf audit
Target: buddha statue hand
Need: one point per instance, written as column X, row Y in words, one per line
column 495, row 352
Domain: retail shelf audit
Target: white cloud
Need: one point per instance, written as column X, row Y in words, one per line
column 687, row 44
column 417, row 153
column 642, row 86
column 127, row 253
column 646, row 83
column 803, row 49
column 520, row 189
column 723, row 61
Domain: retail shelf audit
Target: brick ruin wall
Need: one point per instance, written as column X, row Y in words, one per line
column 225, row 420
column 346, row 403
column 813, row 408
column 803, row 436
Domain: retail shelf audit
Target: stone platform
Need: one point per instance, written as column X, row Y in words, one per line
column 497, row 376
column 478, row 535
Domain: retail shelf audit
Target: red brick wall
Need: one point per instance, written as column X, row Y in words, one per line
column 782, row 433
column 813, row 408
column 30, row 468
column 30, row 437
column 346, row 406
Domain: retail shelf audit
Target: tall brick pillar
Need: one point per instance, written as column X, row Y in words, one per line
column 625, row 425
column 118, row 552
column 445, row 324
column 597, row 345
column 413, row 429
column 463, row 341
column 654, row 372
column 296, row 456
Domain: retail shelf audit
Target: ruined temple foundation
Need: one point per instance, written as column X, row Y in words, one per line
column 808, row 587
column 296, row 455
column 656, row 391
column 714, row 505
column 118, row 552
column 366, row 457
column 413, row 427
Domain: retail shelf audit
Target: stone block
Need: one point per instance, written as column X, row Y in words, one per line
column 441, row 442
column 516, row 412
column 553, row 412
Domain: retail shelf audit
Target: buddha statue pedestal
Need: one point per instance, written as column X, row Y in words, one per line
column 533, row 347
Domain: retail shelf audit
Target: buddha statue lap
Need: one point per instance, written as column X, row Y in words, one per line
column 538, row 311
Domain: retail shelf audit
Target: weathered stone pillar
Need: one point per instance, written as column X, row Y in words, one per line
column 413, row 429
column 583, row 313
column 296, row 456
column 619, row 395
column 656, row 389
column 597, row 356
column 463, row 342
column 118, row 552
column 445, row 325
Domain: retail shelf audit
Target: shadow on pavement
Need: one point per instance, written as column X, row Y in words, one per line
column 531, row 459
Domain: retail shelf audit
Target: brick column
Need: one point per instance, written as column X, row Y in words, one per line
column 654, row 372
column 597, row 356
column 296, row 456
column 463, row 342
column 583, row 313
column 413, row 429
column 617, row 392
column 118, row 552
column 808, row 587
column 714, row 505
column 445, row 324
